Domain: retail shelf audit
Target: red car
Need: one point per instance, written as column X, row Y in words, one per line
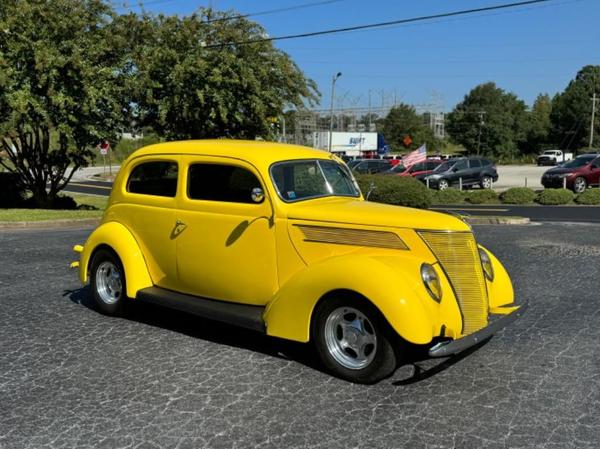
column 578, row 174
column 419, row 170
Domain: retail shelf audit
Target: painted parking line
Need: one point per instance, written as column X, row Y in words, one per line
column 92, row 186
column 468, row 209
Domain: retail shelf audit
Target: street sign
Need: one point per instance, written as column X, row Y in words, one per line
column 104, row 148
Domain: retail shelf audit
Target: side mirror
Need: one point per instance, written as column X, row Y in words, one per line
column 258, row 196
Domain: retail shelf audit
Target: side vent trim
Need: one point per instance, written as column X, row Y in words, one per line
column 354, row 237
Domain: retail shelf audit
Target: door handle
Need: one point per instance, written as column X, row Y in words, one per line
column 179, row 223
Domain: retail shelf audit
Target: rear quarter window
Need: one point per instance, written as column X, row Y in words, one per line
column 158, row 178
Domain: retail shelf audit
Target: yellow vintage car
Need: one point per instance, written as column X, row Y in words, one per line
column 279, row 239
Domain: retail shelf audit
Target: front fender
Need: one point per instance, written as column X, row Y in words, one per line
column 122, row 242
column 383, row 280
column 500, row 290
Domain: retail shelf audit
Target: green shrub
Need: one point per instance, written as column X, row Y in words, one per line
column 484, row 196
column 518, row 195
column 396, row 190
column 555, row 196
column 590, row 196
column 448, row 196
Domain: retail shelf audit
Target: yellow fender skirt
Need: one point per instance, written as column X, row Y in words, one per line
column 121, row 241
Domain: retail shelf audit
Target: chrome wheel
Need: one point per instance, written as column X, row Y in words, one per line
column 109, row 285
column 350, row 338
column 443, row 184
column 579, row 185
column 486, row 182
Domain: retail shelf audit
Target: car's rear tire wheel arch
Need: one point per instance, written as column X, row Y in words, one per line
column 486, row 182
column 108, row 283
column 372, row 357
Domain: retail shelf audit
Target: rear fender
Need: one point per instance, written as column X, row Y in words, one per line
column 378, row 279
column 118, row 238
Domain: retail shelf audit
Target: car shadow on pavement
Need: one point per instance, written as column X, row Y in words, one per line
column 213, row 331
column 419, row 354
column 225, row 334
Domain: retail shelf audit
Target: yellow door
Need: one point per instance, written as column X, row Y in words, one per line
column 225, row 240
column 147, row 207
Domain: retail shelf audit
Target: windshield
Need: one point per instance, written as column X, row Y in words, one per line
column 444, row 167
column 578, row 162
column 300, row 180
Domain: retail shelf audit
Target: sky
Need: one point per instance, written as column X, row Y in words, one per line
column 527, row 50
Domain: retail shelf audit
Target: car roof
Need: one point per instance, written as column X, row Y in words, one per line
column 258, row 153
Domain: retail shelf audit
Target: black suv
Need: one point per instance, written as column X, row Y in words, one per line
column 468, row 170
column 370, row 166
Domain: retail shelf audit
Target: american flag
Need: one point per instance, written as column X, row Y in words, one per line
column 414, row 157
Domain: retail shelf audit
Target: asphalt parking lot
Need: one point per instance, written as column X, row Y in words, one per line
column 70, row 377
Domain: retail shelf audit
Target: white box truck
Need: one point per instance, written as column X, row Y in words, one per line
column 350, row 144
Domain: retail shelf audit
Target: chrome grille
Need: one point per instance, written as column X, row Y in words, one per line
column 458, row 254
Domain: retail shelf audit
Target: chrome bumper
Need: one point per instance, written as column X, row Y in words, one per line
column 447, row 348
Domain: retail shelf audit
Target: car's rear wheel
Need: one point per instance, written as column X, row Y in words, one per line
column 486, row 182
column 107, row 281
column 579, row 185
column 443, row 184
column 353, row 340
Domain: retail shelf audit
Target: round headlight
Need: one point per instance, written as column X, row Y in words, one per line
column 486, row 263
column 431, row 281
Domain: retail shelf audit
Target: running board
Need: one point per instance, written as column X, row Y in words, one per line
column 242, row 315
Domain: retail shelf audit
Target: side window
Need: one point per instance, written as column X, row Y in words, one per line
column 214, row 182
column 157, row 178
column 475, row 163
column 486, row 162
column 418, row 167
column 461, row 165
column 431, row 165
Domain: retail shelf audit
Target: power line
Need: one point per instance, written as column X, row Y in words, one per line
column 383, row 24
column 274, row 11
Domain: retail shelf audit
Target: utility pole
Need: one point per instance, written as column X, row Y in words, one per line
column 369, row 110
column 593, row 116
column 481, row 123
column 335, row 78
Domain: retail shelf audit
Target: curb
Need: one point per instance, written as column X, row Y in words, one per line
column 491, row 220
column 50, row 224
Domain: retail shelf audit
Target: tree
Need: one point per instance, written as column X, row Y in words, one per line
column 402, row 121
column 572, row 109
column 539, row 127
column 489, row 121
column 59, row 79
column 184, row 88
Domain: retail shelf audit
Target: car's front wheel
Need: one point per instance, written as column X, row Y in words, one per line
column 107, row 281
column 353, row 340
column 579, row 185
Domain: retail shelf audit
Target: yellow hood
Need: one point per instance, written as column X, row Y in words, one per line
column 359, row 212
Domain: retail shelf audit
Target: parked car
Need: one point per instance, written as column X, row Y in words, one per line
column 553, row 157
column 371, row 166
column 419, row 170
column 468, row 171
column 394, row 159
column 279, row 239
column 578, row 174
